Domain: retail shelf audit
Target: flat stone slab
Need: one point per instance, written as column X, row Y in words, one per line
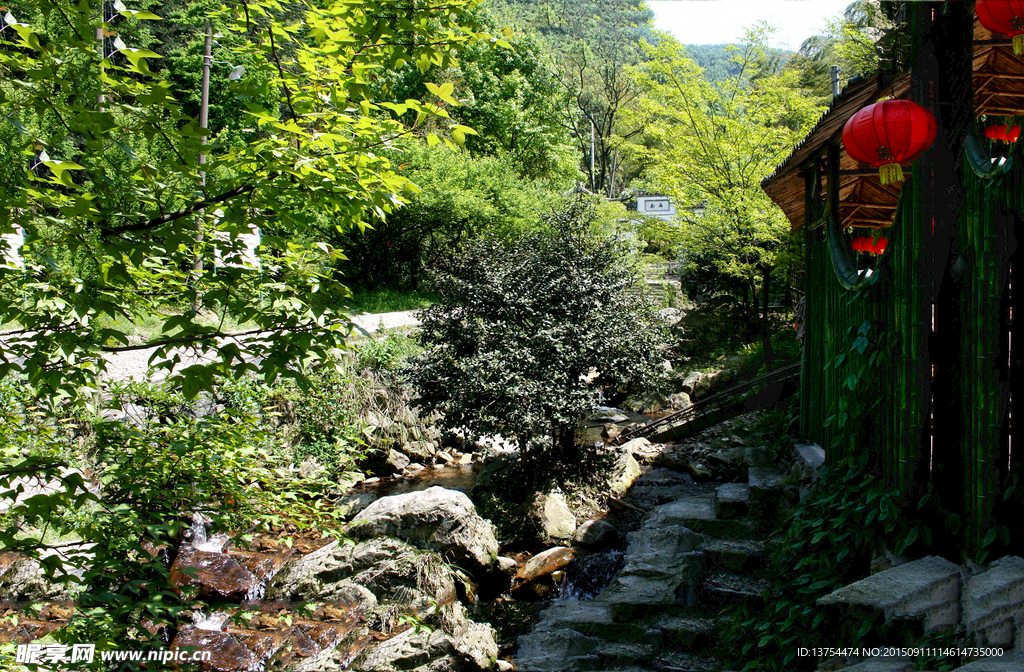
column 548, row 651
column 681, row 511
column 734, row 555
column 764, row 480
column 732, row 500
column 810, row 455
column 896, row 586
column 567, row 614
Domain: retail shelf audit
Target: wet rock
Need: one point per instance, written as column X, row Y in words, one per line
column 212, row 574
column 545, row 563
column 596, row 533
column 624, row 473
column 227, row 653
column 556, row 520
column 612, row 432
column 507, row 565
column 405, row 651
column 442, row 520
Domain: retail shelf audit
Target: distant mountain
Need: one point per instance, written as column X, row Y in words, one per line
column 714, row 59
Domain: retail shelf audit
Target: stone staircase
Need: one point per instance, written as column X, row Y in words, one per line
column 695, row 554
column 692, row 556
column 933, row 594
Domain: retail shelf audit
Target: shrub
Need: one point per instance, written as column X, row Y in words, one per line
column 526, row 331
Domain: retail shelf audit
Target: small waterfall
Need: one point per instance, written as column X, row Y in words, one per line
column 214, row 622
column 199, row 536
column 588, row 575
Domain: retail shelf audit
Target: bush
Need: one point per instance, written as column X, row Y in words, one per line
column 526, row 331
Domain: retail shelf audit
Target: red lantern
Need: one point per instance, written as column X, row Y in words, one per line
column 1006, row 133
column 869, row 244
column 888, row 133
column 1004, row 16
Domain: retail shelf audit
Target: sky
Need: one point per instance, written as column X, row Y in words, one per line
column 721, row 21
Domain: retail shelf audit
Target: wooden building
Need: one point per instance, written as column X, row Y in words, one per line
column 909, row 356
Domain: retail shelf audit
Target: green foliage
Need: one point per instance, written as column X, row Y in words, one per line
column 103, row 172
column 717, row 60
column 459, row 198
column 390, row 300
column 385, row 354
column 520, row 327
column 713, row 143
column 828, row 543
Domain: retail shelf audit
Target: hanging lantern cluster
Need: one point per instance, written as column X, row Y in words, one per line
column 870, row 244
column 1005, row 17
column 887, row 134
column 1003, row 133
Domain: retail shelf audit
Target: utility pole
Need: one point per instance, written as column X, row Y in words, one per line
column 593, row 178
column 100, row 99
column 834, row 72
column 204, row 118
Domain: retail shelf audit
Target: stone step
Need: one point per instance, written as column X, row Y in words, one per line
column 686, row 634
column 686, row 662
column 742, row 556
column 732, row 500
column 722, row 589
column 587, row 617
column 618, row 654
column 993, row 603
column 555, row 651
column 1010, row 661
column 927, row 589
column 766, row 485
column 698, row 513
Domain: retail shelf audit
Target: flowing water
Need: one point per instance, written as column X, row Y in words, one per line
column 589, row 574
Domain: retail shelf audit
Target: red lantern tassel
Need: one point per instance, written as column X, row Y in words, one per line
column 1018, row 44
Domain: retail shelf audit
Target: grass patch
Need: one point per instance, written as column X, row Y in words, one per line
column 388, row 300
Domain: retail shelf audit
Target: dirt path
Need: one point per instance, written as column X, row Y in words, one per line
column 134, row 364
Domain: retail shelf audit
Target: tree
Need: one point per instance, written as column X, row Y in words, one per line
column 713, row 144
column 522, row 328
column 121, row 194
column 120, row 191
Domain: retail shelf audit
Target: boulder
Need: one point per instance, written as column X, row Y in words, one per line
column 22, row 579
column 701, row 387
column 442, row 520
column 354, row 502
column 625, row 471
column 322, row 575
column 545, row 563
column 475, row 645
column 679, row 401
column 556, row 520
column 609, row 415
column 595, row 533
column 689, row 384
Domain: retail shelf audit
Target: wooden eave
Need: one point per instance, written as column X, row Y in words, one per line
column 998, row 76
column 872, row 201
